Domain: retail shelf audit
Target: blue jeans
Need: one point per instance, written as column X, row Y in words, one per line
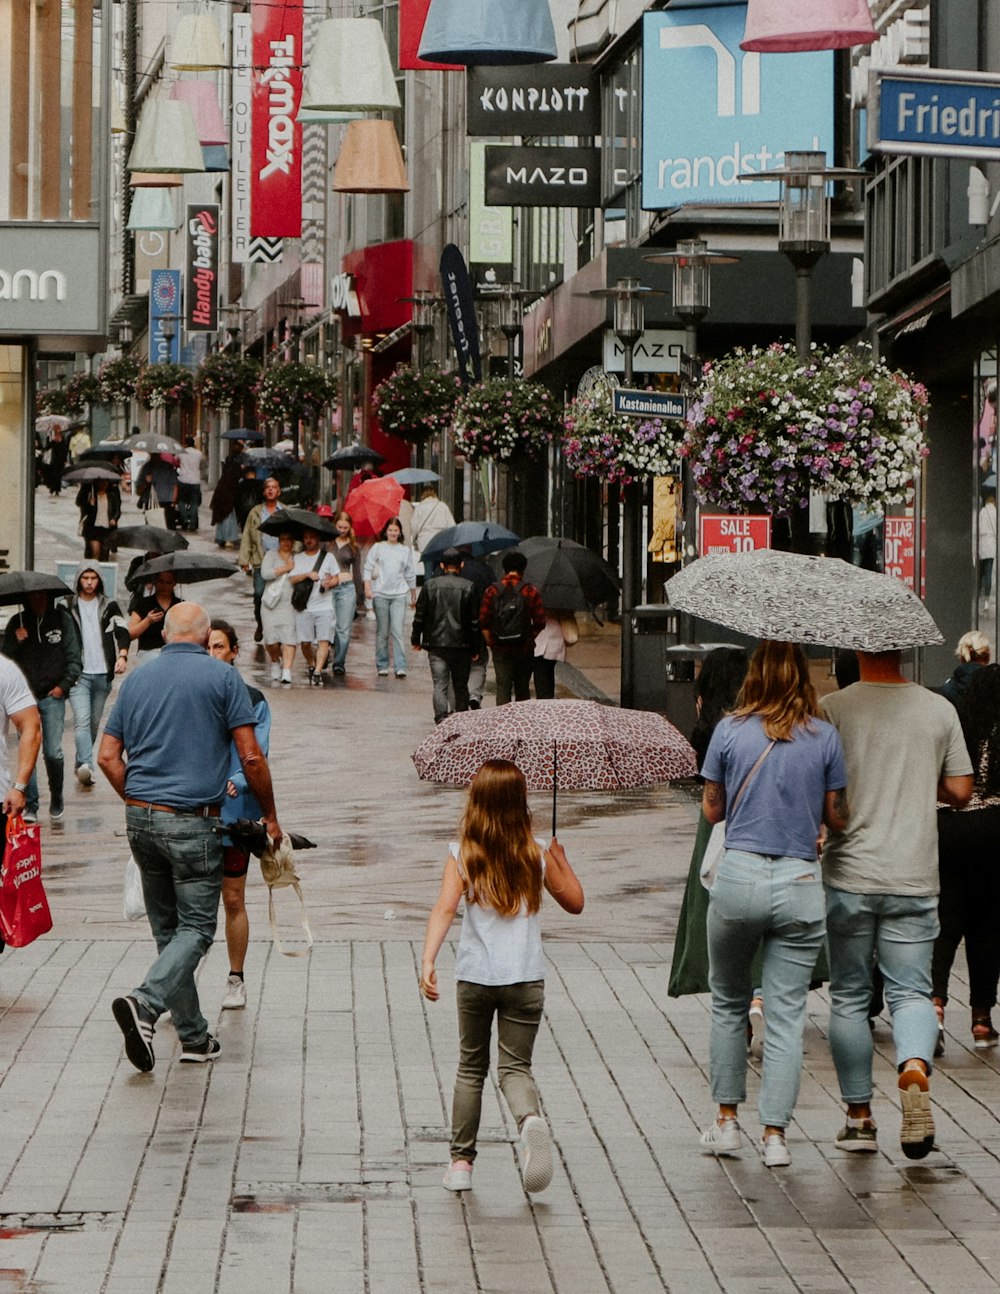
column 345, row 601
column 899, row 930
column 390, row 617
column 778, row 901
column 88, row 697
column 450, row 671
column 52, row 711
column 180, row 858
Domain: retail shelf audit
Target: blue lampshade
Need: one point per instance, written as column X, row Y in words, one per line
column 216, row 157
column 473, row 32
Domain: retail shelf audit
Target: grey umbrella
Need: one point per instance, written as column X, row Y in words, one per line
column 479, row 536
column 190, row 568
column 104, row 449
column 92, row 472
column 414, row 476
column 801, row 599
column 151, row 539
column 16, row 585
column 152, row 444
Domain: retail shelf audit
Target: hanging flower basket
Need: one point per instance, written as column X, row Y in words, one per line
column 416, row 406
column 620, row 450
column 223, row 381
column 117, row 378
column 767, row 427
column 504, row 419
column 163, row 386
column 54, row 401
column 288, row 392
column 82, row 390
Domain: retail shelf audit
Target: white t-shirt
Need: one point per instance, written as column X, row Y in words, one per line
column 318, row 601
column 499, row 950
column 89, row 611
column 15, row 695
column 899, row 741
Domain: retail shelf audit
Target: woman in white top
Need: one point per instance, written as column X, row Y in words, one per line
column 390, row 583
column 498, row 867
column 314, row 625
column 277, row 615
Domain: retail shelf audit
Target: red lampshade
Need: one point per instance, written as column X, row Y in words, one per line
column 793, row 26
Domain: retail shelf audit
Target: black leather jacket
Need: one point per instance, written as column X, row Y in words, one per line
column 447, row 615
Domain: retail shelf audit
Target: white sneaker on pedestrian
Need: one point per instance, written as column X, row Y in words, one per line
column 286, row 678
column 757, row 1026
column 275, row 671
column 775, row 1151
column 722, row 1138
column 458, row 1176
column 537, row 1171
column 236, row 994
column 85, row 775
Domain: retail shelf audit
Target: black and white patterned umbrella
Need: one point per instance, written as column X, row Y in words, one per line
column 793, row 598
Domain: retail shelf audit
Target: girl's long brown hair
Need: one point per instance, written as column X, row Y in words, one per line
column 499, row 855
column 778, row 690
column 352, row 538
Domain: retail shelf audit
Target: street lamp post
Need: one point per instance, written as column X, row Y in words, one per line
column 424, row 305
column 511, row 314
column 804, row 232
column 126, row 335
column 168, row 332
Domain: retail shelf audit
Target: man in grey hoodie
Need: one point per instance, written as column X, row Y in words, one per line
column 104, row 639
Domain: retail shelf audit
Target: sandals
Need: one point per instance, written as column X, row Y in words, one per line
column 983, row 1033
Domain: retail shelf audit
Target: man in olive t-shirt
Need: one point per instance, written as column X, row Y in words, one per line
column 904, row 751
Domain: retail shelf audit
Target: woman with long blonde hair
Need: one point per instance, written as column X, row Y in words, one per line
column 774, row 772
column 498, row 868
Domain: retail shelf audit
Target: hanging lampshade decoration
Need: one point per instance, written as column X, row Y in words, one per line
column 152, row 209
column 317, row 117
column 118, row 126
column 370, row 160
column 201, row 98
column 471, row 32
column 793, row 26
column 196, row 46
column 215, row 157
column 165, row 139
column 146, row 180
column 349, row 70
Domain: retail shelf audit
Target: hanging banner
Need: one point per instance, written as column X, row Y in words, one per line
column 201, row 276
column 164, row 307
column 276, row 136
column 239, row 157
column 537, row 99
column 412, row 16
column 461, row 314
column 491, row 229
column 543, row 177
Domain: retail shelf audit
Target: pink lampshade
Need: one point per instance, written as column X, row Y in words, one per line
column 204, row 103
column 792, row 26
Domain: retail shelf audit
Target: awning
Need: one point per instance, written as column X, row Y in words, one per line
column 917, row 315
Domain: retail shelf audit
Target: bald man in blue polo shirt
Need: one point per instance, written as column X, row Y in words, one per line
column 166, row 751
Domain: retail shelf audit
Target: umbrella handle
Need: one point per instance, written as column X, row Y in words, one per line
column 555, row 783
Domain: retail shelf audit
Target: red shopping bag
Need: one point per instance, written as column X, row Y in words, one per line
column 24, row 909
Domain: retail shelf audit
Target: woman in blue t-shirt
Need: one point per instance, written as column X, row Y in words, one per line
column 775, row 772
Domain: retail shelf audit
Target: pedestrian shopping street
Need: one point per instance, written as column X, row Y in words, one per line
column 309, row 1156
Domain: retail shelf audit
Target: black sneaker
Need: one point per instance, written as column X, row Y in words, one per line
column 473, row 703
column 137, row 1027
column 198, row 1054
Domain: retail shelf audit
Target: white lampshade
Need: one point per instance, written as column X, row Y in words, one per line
column 349, row 68
column 196, row 46
column 152, row 209
column 166, row 139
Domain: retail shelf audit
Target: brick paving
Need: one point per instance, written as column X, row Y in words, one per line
column 308, row 1157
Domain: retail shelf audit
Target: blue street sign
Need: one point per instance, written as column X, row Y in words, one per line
column 935, row 112
column 648, row 404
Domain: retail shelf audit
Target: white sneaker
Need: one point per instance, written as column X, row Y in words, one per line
column 537, row 1171
column 85, row 775
column 286, row 678
column 236, row 994
column 756, row 1022
column 275, row 671
column 722, row 1138
column 775, row 1151
column 458, row 1176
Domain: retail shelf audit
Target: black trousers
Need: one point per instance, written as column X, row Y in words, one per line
column 969, row 903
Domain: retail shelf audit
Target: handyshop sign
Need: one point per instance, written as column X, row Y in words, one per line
column 201, row 285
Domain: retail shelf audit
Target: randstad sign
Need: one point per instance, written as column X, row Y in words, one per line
column 50, row 280
column 712, row 111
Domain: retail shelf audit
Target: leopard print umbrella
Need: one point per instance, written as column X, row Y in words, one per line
column 793, row 598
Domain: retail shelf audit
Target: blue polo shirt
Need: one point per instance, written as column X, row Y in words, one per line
column 174, row 716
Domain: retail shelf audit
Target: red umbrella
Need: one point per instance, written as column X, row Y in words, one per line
column 373, row 503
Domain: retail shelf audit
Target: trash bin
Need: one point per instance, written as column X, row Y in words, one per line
column 679, row 671
column 654, row 628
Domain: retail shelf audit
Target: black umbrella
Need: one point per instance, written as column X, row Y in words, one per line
column 273, row 460
column 190, row 568
column 16, row 585
column 297, row 520
column 248, row 434
column 253, row 836
column 569, row 576
column 351, row 457
column 151, row 539
column 105, row 448
column 92, row 472
column 480, row 536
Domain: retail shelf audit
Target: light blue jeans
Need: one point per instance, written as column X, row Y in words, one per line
column 52, row 712
column 778, row 901
column 180, row 859
column 345, row 601
column 88, row 697
column 390, row 618
column 899, row 930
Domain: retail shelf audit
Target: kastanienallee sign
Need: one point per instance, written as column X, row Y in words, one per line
column 50, row 280
column 539, row 99
column 543, row 177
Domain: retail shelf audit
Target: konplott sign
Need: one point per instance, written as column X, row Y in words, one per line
column 549, row 99
column 543, row 177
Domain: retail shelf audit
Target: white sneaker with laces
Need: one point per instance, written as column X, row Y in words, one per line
column 722, row 1138
column 236, row 994
column 775, row 1151
column 537, row 1171
column 85, row 775
column 757, row 1024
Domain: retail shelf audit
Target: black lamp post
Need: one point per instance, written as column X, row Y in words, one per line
column 511, row 300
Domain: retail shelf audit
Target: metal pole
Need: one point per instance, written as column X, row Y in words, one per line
column 803, row 322
column 631, row 574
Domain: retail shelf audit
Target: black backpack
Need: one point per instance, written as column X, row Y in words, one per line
column 511, row 615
